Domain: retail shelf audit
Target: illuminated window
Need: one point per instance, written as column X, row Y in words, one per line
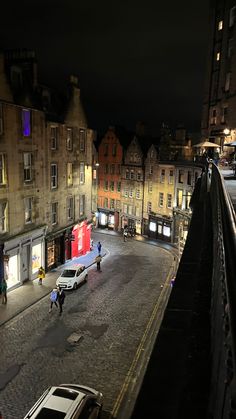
column 69, row 174
column 82, row 139
column 162, row 177
column 166, row 231
column 179, row 198
column 53, row 176
column 181, row 176
column 54, row 213
column 27, row 167
column 26, row 122
column 2, row 169
column 70, row 208
column 171, row 177
column 130, row 210
column 220, row 25
column 218, row 56
column 152, row 226
column 54, row 137
column 3, row 217
column 188, row 198
column 69, row 139
column 161, row 199
column 28, row 210
column 81, row 173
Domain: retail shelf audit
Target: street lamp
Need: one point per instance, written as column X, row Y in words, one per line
column 226, row 131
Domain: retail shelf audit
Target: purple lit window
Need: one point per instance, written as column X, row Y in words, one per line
column 26, row 122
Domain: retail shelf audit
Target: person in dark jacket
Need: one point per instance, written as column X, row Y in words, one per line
column 4, row 291
column 61, row 298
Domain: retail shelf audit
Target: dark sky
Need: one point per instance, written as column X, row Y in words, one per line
column 136, row 60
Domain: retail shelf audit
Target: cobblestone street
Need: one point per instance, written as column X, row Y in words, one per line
column 109, row 316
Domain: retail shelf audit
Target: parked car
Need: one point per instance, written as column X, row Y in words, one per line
column 67, row 401
column 72, row 276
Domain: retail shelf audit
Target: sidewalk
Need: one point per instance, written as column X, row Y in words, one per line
column 29, row 293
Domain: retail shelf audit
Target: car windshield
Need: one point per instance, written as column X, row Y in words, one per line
column 68, row 273
column 46, row 413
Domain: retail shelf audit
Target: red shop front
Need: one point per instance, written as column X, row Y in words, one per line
column 81, row 234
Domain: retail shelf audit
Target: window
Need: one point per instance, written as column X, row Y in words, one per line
column 139, row 175
column 137, row 193
column 106, row 169
column 81, row 205
column 150, row 170
column 189, row 178
column 112, row 203
column 118, row 186
column 220, row 25
column 130, row 210
column 127, row 175
column 114, row 150
column 188, row 197
column 53, row 176
column 54, row 213
column 169, row 200
column 132, row 174
column 112, row 169
column 162, row 177
column 181, row 176
column 125, row 208
column 118, row 169
column 218, row 56
column 69, row 139
column 105, row 202
column 26, row 122
column 126, row 192
column 131, row 193
column 227, row 81
column 171, row 177
column 117, row 204
column 232, row 15
column 150, row 187
column 213, row 117
column 224, row 114
column 112, row 186
column 27, row 167
column 161, row 199
column 1, row 119
column 230, row 47
column 82, row 137
column 179, row 198
column 54, row 136
column 69, row 174
column 70, row 208
column 137, row 211
column 149, row 207
column 81, row 173
column 105, row 149
column 28, row 210
column 3, row 217
column 106, row 185
column 2, row 169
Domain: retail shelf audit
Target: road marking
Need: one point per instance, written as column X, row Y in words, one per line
column 140, row 348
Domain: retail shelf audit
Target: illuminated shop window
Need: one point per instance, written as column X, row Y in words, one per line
column 152, row 226
column 220, row 25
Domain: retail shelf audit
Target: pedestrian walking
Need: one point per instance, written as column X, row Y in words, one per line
column 41, row 275
column 99, row 247
column 53, row 298
column 125, row 234
column 4, row 291
column 61, row 298
column 98, row 262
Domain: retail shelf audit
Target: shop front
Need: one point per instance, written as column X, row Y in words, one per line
column 81, row 237
column 108, row 219
column 23, row 255
column 159, row 228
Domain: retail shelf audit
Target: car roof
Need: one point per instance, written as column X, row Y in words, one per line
column 61, row 399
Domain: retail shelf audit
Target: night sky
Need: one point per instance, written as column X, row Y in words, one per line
column 136, row 60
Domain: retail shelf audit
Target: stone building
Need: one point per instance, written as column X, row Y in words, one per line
column 219, row 102
column 45, row 171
